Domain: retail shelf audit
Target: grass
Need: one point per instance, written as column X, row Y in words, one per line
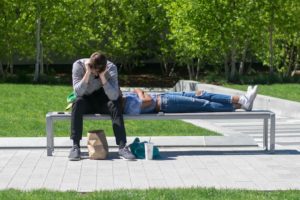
column 283, row 91
column 23, row 109
column 160, row 194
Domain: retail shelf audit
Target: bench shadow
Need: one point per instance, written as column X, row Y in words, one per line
column 111, row 156
column 172, row 155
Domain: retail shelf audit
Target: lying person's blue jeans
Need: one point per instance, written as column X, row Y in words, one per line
column 178, row 102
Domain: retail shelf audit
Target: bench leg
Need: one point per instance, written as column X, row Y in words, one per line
column 272, row 133
column 265, row 136
column 50, row 137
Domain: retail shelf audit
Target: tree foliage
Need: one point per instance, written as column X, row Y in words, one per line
column 222, row 34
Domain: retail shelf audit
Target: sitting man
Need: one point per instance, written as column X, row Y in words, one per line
column 95, row 83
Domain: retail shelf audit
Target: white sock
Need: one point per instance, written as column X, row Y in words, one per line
column 243, row 100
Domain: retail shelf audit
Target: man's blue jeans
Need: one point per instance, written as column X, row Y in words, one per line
column 180, row 102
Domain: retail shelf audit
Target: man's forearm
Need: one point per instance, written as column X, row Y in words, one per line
column 86, row 76
column 110, row 85
column 103, row 77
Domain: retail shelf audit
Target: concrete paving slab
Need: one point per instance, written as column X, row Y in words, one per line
column 229, row 141
column 178, row 167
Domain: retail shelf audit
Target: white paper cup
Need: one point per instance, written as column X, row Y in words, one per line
column 148, row 151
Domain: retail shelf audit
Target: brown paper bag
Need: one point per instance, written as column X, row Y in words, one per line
column 97, row 145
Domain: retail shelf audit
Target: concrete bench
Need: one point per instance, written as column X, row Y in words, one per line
column 266, row 116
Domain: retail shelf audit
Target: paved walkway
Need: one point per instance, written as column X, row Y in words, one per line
column 287, row 130
column 244, row 168
column 203, row 166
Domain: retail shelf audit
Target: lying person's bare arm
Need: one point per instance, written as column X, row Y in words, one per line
column 146, row 99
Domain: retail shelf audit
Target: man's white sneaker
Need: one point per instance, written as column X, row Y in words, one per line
column 74, row 153
column 250, row 96
column 126, row 154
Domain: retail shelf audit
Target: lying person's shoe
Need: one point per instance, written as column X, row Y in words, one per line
column 249, row 89
column 251, row 105
column 125, row 154
column 74, row 153
column 250, row 96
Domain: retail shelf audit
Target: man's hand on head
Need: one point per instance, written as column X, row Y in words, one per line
column 88, row 66
column 103, row 76
column 90, row 69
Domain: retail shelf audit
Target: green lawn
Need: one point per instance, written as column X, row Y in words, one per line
column 23, row 109
column 284, row 91
column 159, row 194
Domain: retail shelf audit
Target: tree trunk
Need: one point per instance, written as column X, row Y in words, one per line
column 11, row 64
column 242, row 64
column 190, row 71
column 226, row 67
column 250, row 64
column 297, row 60
column 1, row 70
column 164, row 66
column 171, row 72
column 271, row 50
column 291, row 61
column 121, row 67
column 128, row 67
column 284, row 59
column 161, row 63
column 193, row 70
column 38, row 51
column 198, row 68
column 296, row 70
column 233, row 63
column 11, row 68
column 42, row 59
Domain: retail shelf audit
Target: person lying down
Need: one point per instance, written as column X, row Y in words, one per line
column 139, row 102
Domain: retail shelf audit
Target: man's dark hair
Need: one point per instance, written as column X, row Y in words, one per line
column 98, row 60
